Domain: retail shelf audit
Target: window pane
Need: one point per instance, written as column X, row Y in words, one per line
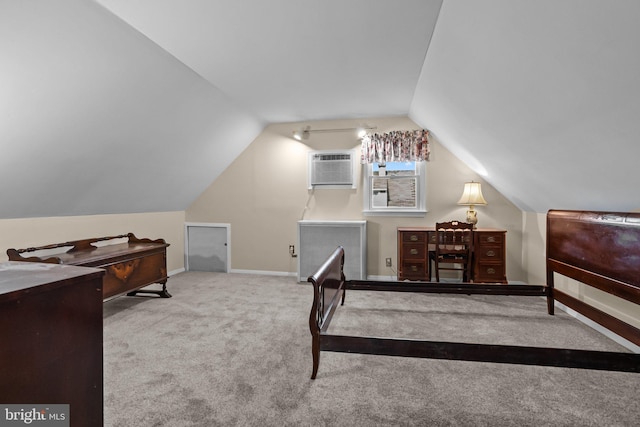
column 394, row 191
column 395, row 188
column 393, row 166
column 379, row 192
column 402, row 192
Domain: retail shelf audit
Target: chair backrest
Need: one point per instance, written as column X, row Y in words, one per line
column 454, row 237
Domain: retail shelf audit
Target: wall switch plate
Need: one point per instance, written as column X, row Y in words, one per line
column 388, row 262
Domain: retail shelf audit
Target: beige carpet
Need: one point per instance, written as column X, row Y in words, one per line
column 235, row 350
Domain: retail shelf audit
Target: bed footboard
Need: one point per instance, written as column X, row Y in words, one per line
column 328, row 289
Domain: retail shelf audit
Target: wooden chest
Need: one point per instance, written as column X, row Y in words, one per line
column 129, row 265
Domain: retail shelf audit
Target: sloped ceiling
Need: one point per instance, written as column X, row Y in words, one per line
column 541, row 97
column 118, row 106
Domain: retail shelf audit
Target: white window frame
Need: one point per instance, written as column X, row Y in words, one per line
column 421, row 194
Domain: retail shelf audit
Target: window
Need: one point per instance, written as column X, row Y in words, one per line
column 395, row 188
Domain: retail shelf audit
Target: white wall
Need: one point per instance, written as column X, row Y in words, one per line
column 264, row 193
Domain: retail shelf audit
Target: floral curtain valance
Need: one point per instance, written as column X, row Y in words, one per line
column 396, row 146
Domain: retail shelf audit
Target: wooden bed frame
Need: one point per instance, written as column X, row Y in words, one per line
column 599, row 249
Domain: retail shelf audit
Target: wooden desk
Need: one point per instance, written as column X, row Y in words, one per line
column 51, row 338
column 489, row 254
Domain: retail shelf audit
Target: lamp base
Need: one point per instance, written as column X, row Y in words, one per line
column 472, row 217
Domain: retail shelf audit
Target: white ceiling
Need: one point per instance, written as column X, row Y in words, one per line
column 295, row 60
column 118, row 106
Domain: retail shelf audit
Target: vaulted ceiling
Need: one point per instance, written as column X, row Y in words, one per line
column 119, row 106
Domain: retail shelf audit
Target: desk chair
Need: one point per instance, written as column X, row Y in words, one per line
column 453, row 249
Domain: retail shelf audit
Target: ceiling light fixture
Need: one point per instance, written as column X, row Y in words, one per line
column 301, row 134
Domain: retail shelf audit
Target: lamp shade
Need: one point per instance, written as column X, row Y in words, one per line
column 472, row 195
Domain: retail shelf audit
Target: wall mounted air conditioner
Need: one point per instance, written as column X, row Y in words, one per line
column 332, row 169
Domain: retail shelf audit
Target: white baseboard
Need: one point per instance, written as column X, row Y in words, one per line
column 237, row 271
column 174, row 272
column 604, row 331
column 264, row 272
column 383, row 278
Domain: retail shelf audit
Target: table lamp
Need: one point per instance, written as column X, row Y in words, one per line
column 471, row 196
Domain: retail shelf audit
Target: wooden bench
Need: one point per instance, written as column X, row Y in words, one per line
column 130, row 265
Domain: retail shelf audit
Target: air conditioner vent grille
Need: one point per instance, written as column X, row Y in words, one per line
column 318, row 239
column 331, row 169
column 333, row 156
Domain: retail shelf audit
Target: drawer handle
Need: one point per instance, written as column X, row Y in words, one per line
column 414, row 268
column 491, row 239
column 491, row 270
column 413, row 252
column 413, row 238
column 491, row 253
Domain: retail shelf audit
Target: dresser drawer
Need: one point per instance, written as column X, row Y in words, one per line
column 414, row 237
column 491, row 273
column 490, row 253
column 414, row 270
column 411, row 251
column 488, row 238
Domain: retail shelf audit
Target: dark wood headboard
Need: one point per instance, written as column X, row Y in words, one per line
column 599, row 249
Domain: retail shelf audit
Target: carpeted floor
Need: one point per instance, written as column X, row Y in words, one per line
column 235, row 350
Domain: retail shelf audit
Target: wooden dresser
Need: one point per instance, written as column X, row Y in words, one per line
column 51, row 338
column 489, row 254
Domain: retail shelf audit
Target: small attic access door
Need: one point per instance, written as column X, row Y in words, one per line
column 206, row 247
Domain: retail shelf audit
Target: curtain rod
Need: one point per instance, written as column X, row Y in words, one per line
column 308, row 129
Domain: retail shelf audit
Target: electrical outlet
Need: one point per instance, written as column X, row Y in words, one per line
column 388, row 262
